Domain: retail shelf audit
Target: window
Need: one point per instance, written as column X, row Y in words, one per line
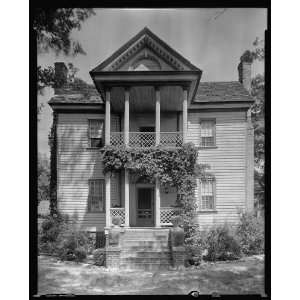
column 207, row 194
column 96, row 133
column 208, row 133
column 96, row 195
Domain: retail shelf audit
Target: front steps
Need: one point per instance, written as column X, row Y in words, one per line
column 145, row 248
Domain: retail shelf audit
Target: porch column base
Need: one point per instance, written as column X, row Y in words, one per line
column 112, row 257
column 178, row 255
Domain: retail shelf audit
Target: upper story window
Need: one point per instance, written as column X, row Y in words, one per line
column 207, row 194
column 96, row 195
column 96, row 127
column 208, row 133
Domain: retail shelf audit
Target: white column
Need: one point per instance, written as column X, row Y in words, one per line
column 107, row 117
column 126, row 198
column 184, row 115
column 157, row 203
column 126, row 117
column 157, row 115
column 107, row 199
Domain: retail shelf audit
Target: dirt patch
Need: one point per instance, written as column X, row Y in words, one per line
column 236, row 277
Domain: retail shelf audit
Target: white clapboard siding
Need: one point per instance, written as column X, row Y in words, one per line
column 227, row 163
column 76, row 164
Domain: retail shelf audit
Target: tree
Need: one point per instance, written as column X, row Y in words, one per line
column 258, row 119
column 43, row 178
column 53, row 28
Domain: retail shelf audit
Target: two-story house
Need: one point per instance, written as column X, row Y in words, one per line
column 147, row 94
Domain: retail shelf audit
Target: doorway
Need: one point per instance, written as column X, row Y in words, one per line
column 145, row 207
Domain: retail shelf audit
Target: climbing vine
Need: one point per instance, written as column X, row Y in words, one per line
column 175, row 167
column 52, row 141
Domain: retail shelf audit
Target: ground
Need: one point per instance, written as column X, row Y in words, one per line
column 245, row 276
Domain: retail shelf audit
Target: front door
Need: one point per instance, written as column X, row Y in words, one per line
column 145, row 199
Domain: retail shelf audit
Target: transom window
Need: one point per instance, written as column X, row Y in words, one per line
column 207, row 133
column 207, row 194
column 96, row 195
column 96, row 133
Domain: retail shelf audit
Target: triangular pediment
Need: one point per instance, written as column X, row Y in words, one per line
column 145, row 52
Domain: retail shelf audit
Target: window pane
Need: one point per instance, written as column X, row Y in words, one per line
column 96, row 143
column 96, row 128
column 96, row 195
column 207, row 194
column 207, row 133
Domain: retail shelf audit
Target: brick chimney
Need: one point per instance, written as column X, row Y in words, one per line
column 244, row 69
column 61, row 74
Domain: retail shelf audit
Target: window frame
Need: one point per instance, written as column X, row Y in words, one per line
column 200, row 201
column 89, row 133
column 101, row 181
column 213, row 120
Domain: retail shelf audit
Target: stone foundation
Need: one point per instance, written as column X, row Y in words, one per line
column 112, row 255
column 178, row 255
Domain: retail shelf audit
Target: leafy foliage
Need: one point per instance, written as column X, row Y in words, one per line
column 173, row 167
column 52, row 140
column 258, row 118
column 221, row 245
column 53, row 27
column 59, row 236
column 51, row 228
column 99, row 257
column 250, row 233
column 43, row 178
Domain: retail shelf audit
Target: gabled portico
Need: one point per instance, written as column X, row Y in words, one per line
column 145, row 76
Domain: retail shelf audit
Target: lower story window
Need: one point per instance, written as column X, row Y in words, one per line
column 96, row 195
column 207, row 194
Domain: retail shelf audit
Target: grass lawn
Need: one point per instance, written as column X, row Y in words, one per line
column 245, row 276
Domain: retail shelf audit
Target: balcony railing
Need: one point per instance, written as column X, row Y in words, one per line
column 118, row 212
column 166, row 214
column 147, row 139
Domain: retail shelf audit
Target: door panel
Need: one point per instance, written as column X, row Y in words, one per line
column 145, row 207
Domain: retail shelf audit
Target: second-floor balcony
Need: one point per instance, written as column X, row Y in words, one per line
column 148, row 139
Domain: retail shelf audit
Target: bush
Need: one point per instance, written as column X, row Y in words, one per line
column 51, row 228
column 221, row 245
column 99, row 257
column 80, row 254
column 73, row 244
column 195, row 247
column 250, row 233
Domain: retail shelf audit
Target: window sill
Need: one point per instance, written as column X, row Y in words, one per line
column 207, row 147
column 208, row 211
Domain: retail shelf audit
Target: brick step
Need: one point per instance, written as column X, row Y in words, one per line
column 145, row 248
column 147, row 260
column 141, row 236
column 143, row 254
column 145, row 266
column 146, row 233
column 144, row 243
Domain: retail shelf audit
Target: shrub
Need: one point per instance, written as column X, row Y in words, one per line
column 99, row 257
column 195, row 247
column 250, row 233
column 51, row 228
column 80, row 253
column 221, row 245
column 72, row 244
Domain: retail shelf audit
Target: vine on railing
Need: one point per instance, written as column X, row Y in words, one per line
column 174, row 167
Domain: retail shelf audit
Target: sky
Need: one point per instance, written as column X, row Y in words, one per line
column 211, row 39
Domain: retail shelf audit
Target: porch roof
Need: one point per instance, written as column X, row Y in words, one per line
column 208, row 92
